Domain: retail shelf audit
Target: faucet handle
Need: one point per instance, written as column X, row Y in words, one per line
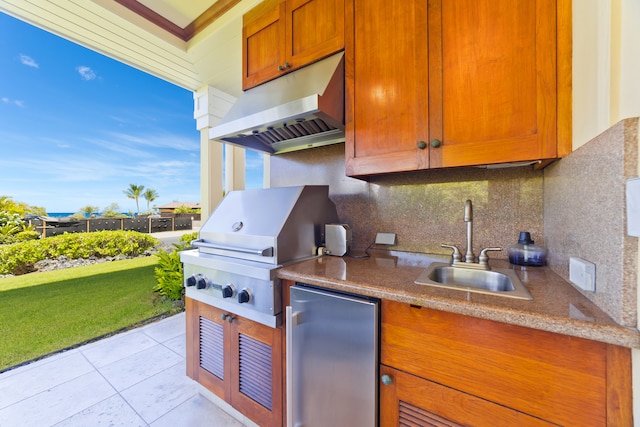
column 483, row 259
column 457, row 257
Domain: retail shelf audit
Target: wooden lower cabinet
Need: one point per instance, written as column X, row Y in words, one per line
column 477, row 372
column 410, row 400
column 240, row 361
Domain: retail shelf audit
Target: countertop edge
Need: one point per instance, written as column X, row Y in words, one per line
column 608, row 334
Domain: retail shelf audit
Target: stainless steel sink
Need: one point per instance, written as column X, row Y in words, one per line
column 501, row 282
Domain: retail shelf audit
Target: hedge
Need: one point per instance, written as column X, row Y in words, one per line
column 20, row 258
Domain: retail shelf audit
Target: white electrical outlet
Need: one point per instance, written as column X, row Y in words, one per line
column 582, row 274
column 633, row 207
column 386, row 239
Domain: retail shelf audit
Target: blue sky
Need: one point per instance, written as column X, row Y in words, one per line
column 76, row 127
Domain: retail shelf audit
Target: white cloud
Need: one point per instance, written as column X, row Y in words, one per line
column 86, row 73
column 16, row 102
column 28, row 61
column 159, row 140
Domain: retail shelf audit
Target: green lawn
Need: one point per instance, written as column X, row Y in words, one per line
column 44, row 312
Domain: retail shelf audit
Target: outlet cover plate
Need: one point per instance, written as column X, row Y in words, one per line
column 386, row 239
column 633, row 207
column 582, row 274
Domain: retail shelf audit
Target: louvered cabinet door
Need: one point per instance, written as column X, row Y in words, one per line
column 408, row 400
column 207, row 339
column 256, row 364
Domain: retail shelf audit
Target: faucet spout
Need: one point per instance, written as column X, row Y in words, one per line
column 468, row 211
column 468, row 218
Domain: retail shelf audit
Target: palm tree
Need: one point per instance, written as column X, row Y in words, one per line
column 134, row 192
column 150, row 195
column 89, row 210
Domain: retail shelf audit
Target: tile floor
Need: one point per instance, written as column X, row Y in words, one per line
column 136, row 378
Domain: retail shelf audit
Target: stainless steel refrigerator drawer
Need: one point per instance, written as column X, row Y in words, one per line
column 332, row 359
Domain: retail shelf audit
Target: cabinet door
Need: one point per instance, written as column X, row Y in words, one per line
column 238, row 360
column 314, row 30
column 280, row 36
column 257, row 364
column 263, row 36
column 496, row 93
column 207, row 341
column 409, row 400
column 533, row 371
column 387, row 87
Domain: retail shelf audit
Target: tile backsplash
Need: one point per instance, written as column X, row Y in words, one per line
column 585, row 217
column 575, row 207
column 423, row 208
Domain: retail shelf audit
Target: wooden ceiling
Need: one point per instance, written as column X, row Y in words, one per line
column 162, row 14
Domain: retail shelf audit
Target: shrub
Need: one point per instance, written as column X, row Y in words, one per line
column 19, row 258
column 169, row 275
column 169, row 272
column 182, row 209
column 186, row 239
column 10, row 223
column 21, row 236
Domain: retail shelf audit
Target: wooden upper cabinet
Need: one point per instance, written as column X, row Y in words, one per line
column 498, row 90
column 280, row 36
column 263, row 43
column 387, row 84
column 466, row 82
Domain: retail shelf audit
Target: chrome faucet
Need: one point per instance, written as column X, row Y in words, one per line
column 468, row 219
column 469, row 258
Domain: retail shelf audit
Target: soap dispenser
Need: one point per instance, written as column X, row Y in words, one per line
column 526, row 253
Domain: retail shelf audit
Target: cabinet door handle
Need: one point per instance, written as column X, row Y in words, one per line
column 283, row 67
column 387, row 380
column 436, row 143
column 280, row 68
column 422, row 145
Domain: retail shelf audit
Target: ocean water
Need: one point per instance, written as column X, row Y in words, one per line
column 59, row 214
column 66, row 214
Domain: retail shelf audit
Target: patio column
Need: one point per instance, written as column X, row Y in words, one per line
column 210, row 106
column 235, row 168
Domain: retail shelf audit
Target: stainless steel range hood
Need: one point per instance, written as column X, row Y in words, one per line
column 302, row 109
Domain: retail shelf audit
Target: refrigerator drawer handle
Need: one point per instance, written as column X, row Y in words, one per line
column 289, row 362
column 268, row 252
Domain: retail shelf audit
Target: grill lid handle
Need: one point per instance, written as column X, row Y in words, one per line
column 200, row 243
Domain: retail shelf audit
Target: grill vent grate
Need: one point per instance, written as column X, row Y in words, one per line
column 212, row 347
column 413, row 416
column 255, row 370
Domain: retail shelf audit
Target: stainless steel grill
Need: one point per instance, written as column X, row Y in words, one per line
column 248, row 237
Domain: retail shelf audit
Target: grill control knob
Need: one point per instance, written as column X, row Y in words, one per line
column 228, row 291
column 202, row 283
column 191, row 280
column 244, row 296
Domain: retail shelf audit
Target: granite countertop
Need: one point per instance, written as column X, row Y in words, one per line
column 556, row 306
